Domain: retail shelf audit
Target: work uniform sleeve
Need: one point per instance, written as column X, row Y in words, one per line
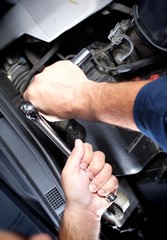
column 150, row 111
column 152, row 17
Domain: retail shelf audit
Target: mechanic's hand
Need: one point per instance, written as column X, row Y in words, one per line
column 59, row 91
column 7, row 235
column 87, row 179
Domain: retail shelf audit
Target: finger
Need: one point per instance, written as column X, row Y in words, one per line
column 30, row 91
column 51, row 118
column 101, row 178
column 97, row 163
column 87, row 158
column 110, row 186
column 75, row 158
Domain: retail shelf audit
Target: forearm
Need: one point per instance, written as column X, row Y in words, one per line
column 111, row 103
column 79, row 226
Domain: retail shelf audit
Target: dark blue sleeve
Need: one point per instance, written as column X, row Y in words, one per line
column 150, row 111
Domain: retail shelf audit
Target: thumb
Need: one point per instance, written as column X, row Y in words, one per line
column 75, row 158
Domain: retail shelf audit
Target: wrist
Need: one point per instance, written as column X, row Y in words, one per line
column 83, row 214
column 85, row 106
column 72, row 225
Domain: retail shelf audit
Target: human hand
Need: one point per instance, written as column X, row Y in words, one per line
column 87, row 180
column 58, row 91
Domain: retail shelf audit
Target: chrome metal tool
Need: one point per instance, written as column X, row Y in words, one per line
column 31, row 113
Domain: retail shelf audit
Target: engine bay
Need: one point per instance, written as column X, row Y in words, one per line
column 108, row 30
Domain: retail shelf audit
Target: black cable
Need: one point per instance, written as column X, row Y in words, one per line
column 138, row 64
column 39, row 64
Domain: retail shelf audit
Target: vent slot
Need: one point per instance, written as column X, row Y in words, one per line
column 55, row 199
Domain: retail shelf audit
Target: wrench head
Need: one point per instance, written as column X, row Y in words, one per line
column 29, row 110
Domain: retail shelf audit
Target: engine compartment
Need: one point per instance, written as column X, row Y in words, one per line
column 118, row 54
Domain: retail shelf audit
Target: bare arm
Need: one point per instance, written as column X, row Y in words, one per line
column 63, row 91
column 79, row 226
column 86, row 180
column 111, row 103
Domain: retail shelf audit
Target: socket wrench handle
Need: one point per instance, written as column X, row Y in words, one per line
column 31, row 113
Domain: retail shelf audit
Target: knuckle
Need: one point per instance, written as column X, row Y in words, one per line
column 88, row 146
column 108, row 167
column 115, row 180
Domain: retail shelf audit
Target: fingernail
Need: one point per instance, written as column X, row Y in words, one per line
column 90, row 175
column 92, row 187
column 77, row 143
column 83, row 166
column 101, row 192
